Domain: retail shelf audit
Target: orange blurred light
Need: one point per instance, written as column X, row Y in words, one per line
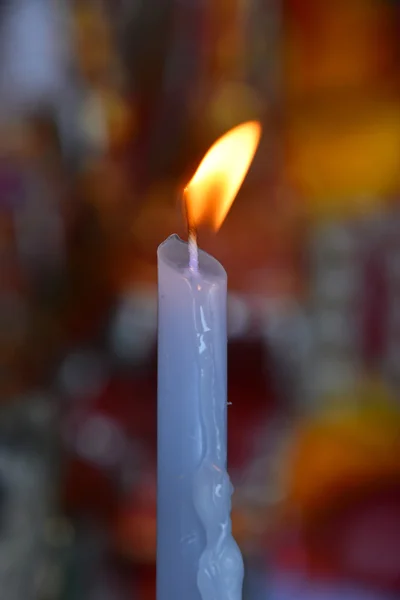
column 213, row 188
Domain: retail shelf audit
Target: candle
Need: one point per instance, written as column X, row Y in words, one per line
column 197, row 557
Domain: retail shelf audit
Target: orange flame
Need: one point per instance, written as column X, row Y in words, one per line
column 213, row 188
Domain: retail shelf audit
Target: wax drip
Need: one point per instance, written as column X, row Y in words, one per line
column 221, row 570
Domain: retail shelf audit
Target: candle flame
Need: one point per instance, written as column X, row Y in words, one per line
column 213, row 188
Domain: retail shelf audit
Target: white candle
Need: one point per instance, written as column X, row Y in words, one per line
column 197, row 557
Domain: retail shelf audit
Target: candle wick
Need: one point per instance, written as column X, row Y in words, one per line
column 192, row 238
column 193, row 251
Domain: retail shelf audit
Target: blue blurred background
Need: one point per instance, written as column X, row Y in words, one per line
column 106, row 108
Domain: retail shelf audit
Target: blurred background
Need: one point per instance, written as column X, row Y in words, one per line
column 106, row 108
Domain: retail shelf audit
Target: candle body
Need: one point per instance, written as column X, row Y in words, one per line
column 197, row 558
